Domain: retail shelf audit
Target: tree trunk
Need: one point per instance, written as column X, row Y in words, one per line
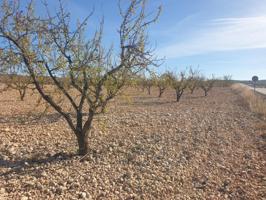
column 178, row 95
column 83, row 144
column 160, row 93
column 192, row 90
column 149, row 90
column 82, row 132
column 22, row 94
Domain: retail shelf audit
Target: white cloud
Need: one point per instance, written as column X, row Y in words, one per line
column 222, row 34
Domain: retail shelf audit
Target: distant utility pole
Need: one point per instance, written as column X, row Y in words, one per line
column 255, row 80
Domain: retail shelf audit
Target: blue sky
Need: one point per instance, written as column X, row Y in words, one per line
column 220, row 36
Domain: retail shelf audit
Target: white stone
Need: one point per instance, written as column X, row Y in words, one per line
column 83, row 195
column 24, row 198
column 2, row 190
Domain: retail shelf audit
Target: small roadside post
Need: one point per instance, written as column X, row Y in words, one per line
column 255, row 80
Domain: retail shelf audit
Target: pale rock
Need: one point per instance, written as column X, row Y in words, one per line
column 24, row 198
column 7, row 129
column 82, row 195
column 44, row 174
column 12, row 150
column 2, row 190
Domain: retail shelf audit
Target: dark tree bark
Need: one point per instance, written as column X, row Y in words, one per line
column 83, row 144
column 205, row 93
column 161, row 91
column 178, row 95
column 149, row 90
column 22, row 93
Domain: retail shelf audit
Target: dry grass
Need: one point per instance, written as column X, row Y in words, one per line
column 255, row 101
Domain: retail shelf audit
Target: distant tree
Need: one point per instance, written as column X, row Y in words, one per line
column 14, row 74
column 18, row 83
column 161, row 82
column 194, row 79
column 206, row 84
column 84, row 73
column 178, row 82
column 227, row 80
column 148, row 83
column 141, row 82
column 135, row 81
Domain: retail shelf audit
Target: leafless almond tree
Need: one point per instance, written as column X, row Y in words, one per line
column 162, row 82
column 206, row 84
column 179, row 83
column 18, row 83
column 14, row 75
column 194, row 79
column 147, row 83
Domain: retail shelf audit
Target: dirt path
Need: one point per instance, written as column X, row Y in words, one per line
column 143, row 148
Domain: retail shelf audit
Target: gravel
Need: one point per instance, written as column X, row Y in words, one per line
column 146, row 148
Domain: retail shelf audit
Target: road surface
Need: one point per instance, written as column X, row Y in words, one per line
column 259, row 90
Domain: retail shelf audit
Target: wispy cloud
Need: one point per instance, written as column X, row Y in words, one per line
column 222, row 34
column 182, row 24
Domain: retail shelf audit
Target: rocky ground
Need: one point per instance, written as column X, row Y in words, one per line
column 142, row 148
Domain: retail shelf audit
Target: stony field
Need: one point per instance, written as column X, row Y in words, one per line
column 143, row 148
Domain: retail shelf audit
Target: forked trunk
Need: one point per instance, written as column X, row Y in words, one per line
column 178, row 95
column 22, row 94
column 205, row 93
column 82, row 133
column 83, row 144
column 178, row 98
column 160, row 92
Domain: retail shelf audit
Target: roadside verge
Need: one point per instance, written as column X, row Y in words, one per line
column 255, row 101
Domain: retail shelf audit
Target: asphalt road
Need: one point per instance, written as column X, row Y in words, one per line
column 259, row 90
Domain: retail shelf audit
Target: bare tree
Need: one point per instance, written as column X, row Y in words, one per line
column 18, row 83
column 13, row 73
column 178, row 83
column 226, row 81
column 193, row 78
column 162, row 82
column 147, row 83
column 17, row 79
column 85, row 75
column 206, row 84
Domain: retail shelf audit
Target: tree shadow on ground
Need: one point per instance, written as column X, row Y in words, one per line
column 144, row 97
column 34, row 119
column 31, row 118
column 23, row 166
column 7, row 100
column 147, row 103
column 195, row 97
